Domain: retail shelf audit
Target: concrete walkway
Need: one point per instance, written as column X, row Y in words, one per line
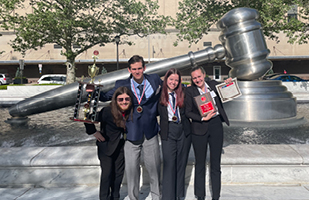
column 228, row 192
column 249, row 172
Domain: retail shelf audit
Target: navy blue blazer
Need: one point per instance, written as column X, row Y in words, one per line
column 144, row 123
column 199, row 127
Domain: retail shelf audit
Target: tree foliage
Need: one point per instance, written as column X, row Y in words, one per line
column 196, row 17
column 84, row 23
column 6, row 9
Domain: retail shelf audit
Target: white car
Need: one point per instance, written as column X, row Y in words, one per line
column 53, row 78
column 5, row 79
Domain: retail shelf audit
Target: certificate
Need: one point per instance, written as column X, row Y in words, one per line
column 228, row 92
column 205, row 104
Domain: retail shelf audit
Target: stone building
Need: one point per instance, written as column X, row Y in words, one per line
column 290, row 57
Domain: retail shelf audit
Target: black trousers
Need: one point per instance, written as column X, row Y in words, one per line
column 175, row 156
column 213, row 138
column 112, row 170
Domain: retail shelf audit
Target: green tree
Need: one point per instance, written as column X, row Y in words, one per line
column 300, row 33
column 6, row 8
column 196, row 18
column 84, row 23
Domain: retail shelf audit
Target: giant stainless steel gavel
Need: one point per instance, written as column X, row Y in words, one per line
column 243, row 45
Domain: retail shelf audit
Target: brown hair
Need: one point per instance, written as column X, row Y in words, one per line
column 178, row 90
column 135, row 59
column 119, row 120
column 194, row 69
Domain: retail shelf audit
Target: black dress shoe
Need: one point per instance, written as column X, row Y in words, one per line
column 200, row 198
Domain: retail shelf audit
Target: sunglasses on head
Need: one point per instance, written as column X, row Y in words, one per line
column 121, row 99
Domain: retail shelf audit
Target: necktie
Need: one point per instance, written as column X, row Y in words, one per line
column 174, row 105
column 141, row 88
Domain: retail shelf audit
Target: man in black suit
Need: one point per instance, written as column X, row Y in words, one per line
column 142, row 130
column 205, row 131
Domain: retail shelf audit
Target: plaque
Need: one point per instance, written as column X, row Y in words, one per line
column 228, row 91
column 205, row 104
column 87, row 112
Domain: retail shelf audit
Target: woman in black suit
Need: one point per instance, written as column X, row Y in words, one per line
column 110, row 142
column 175, row 136
column 206, row 131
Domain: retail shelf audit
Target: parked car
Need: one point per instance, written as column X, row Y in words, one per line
column 53, row 78
column 5, row 79
column 288, row 78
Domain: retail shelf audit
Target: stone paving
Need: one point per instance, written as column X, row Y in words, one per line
column 249, row 172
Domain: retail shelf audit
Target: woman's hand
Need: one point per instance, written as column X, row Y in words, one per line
column 209, row 116
column 227, row 81
column 99, row 136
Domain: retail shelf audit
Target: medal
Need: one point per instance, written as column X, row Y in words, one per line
column 174, row 118
column 139, row 109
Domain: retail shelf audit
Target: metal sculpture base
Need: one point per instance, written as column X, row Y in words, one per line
column 17, row 121
column 263, row 103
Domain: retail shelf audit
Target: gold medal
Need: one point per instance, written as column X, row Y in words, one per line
column 139, row 109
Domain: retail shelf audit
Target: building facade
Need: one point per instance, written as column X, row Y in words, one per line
column 293, row 58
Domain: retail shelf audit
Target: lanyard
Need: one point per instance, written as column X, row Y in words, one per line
column 169, row 103
column 135, row 93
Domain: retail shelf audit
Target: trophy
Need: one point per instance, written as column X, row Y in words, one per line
column 87, row 112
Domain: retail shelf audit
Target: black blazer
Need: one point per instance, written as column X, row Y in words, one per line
column 199, row 127
column 164, row 121
column 108, row 129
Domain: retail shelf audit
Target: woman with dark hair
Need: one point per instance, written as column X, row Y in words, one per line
column 207, row 130
column 110, row 142
column 175, row 136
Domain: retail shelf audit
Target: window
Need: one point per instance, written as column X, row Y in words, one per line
column 292, row 13
column 294, row 78
column 46, row 79
column 217, row 72
column 56, row 78
column 207, row 44
column 285, row 78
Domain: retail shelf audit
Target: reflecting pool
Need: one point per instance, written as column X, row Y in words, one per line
column 54, row 128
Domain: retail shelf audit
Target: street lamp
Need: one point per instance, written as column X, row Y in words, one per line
column 117, row 40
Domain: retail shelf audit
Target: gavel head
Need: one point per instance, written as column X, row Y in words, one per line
column 243, row 39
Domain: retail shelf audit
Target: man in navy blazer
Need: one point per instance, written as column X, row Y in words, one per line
column 142, row 130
